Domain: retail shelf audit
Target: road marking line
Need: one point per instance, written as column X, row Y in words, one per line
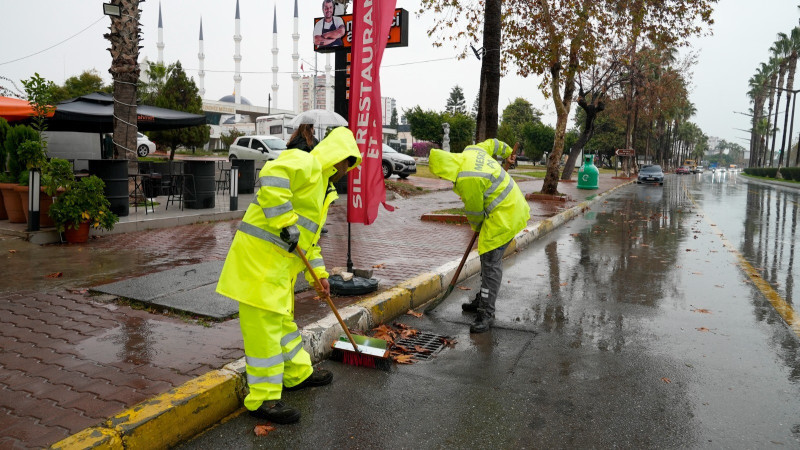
column 783, row 308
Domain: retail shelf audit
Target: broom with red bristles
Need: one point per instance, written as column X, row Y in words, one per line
column 360, row 350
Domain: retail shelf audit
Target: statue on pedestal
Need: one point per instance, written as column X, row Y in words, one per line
column 446, row 137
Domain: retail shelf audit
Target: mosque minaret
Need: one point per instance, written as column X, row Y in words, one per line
column 237, row 57
column 275, row 58
column 201, row 73
column 160, row 43
column 295, row 58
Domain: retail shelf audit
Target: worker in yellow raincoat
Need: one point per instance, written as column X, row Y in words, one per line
column 494, row 206
column 260, row 270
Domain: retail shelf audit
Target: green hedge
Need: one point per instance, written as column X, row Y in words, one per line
column 788, row 173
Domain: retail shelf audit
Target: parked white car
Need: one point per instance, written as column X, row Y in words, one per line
column 144, row 146
column 258, row 148
column 395, row 162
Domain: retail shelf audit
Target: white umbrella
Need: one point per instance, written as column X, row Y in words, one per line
column 318, row 118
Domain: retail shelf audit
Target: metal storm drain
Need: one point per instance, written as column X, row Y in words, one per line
column 423, row 345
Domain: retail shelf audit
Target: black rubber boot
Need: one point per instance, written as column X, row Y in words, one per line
column 471, row 306
column 320, row 377
column 482, row 324
column 276, row 411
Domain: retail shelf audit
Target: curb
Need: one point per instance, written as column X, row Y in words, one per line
column 188, row 409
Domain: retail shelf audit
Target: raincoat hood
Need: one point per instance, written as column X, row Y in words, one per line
column 445, row 164
column 339, row 145
column 494, row 147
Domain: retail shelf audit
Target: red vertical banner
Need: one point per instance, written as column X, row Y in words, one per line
column 372, row 20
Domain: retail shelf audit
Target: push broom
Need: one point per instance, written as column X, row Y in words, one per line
column 360, row 350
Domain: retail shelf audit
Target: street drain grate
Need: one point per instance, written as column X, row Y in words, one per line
column 427, row 341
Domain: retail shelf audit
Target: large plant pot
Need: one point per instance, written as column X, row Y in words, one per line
column 12, row 203
column 45, row 201
column 3, row 213
column 78, row 236
column 114, row 173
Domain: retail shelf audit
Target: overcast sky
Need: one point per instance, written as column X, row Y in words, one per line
column 416, row 75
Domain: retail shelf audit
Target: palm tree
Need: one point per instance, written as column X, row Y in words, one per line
column 791, row 43
column 124, row 37
column 781, row 50
column 758, row 95
column 773, row 77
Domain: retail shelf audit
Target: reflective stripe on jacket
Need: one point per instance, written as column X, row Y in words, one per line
column 492, row 200
column 494, row 147
column 295, row 190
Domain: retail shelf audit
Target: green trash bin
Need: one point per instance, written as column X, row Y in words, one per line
column 588, row 174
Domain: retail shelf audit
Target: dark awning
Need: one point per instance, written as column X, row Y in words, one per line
column 94, row 113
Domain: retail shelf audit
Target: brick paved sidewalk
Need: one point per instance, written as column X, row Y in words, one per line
column 69, row 360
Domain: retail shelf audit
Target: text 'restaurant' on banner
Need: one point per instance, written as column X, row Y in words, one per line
column 371, row 23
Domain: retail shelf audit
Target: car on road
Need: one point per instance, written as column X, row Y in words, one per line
column 258, row 148
column 144, row 146
column 651, row 175
column 699, row 169
column 682, row 170
column 395, row 162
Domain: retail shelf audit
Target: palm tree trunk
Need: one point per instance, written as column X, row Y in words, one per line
column 789, row 95
column 124, row 37
column 489, row 94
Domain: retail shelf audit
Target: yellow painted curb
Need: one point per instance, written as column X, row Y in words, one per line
column 387, row 305
column 168, row 419
column 96, row 438
column 423, row 288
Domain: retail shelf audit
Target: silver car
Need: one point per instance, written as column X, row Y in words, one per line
column 394, row 162
column 258, row 148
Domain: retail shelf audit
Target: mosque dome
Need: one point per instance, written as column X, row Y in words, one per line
column 232, row 99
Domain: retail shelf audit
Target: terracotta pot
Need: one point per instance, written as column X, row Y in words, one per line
column 3, row 213
column 78, row 236
column 44, row 205
column 12, row 203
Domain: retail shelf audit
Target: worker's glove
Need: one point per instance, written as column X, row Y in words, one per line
column 290, row 235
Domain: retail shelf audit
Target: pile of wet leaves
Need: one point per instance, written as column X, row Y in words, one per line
column 396, row 332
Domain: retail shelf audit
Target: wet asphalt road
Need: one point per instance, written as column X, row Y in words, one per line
column 630, row 327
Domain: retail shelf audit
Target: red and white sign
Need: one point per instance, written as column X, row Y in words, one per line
column 371, row 19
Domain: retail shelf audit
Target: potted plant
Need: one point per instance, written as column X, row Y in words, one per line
column 14, row 138
column 82, row 206
column 4, row 127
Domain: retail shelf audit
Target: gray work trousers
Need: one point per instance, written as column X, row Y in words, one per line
column 491, row 276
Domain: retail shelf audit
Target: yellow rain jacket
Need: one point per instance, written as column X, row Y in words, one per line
column 295, row 190
column 494, row 147
column 492, row 200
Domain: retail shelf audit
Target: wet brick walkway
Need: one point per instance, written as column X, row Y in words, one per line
column 69, row 360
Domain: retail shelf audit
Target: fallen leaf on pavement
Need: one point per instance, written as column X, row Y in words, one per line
column 402, row 348
column 385, row 333
column 697, row 273
column 402, row 326
column 404, row 359
column 464, row 288
column 702, row 311
column 563, row 284
column 448, row 342
column 411, row 312
column 666, row 380
column 420, row 349
column 702, row 329
column 263, row 430
column 378, row 266
column 408, row 333
column 54, row 275
column 12, row 251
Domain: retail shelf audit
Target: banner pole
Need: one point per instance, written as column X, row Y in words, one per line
column 349, row 260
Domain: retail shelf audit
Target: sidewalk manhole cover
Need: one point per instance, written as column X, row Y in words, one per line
column 430, row 342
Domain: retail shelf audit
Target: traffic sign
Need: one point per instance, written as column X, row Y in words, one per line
column 624, row 152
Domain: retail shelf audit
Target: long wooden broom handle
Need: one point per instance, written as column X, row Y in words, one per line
column 318, row 286
column 464, row 258
column 506, row 164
